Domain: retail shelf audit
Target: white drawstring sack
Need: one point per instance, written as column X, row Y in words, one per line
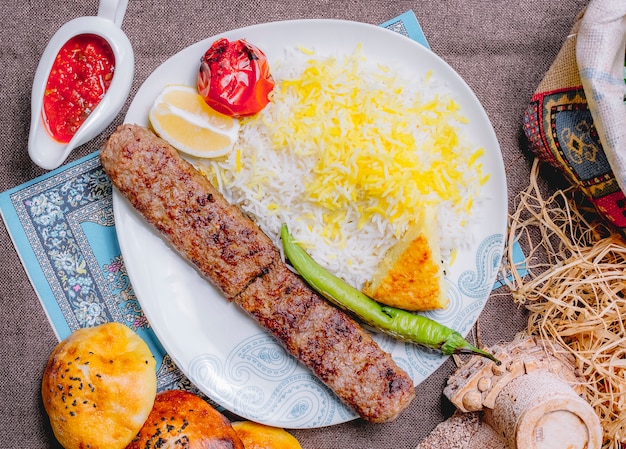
column 600, row 49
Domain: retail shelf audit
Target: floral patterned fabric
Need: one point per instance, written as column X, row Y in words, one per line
column 63, row 225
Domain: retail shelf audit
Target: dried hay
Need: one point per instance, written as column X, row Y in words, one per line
column 576, row 292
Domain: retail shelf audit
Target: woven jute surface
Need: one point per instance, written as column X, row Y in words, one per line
column 502, row 49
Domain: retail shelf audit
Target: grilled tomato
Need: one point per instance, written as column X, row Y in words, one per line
column 235, row 78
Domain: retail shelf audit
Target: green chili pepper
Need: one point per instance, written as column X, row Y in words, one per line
column 399, row 323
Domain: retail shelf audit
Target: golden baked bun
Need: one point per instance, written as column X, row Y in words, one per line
column 180, row 419
column 98, row 387
column 411, row 275
column 260, row 436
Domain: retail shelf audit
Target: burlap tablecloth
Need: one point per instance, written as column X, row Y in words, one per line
column 501, row 48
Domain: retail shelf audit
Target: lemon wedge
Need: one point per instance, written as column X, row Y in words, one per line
column 180, row 115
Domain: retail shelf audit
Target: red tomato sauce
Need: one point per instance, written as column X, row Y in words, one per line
column 80, row 76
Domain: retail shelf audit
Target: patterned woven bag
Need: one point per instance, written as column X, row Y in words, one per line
column 586, row 140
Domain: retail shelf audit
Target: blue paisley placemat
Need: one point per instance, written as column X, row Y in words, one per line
column 63, row 229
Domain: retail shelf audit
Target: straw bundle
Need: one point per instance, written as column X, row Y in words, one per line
column 576, row 292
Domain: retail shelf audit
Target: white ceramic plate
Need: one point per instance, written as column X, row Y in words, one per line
column 219, row 348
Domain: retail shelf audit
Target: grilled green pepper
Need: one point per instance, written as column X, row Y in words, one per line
column 396, row 322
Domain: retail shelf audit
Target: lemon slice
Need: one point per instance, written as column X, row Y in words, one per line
column 181, row 117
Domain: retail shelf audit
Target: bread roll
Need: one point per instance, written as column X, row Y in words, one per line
column 98, row 387
column 180, row 419
column 261, row 436
column 411, row 275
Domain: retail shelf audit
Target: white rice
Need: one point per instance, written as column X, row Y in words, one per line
column 277, row 158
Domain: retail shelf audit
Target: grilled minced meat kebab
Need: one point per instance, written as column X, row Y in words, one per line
column 240, row 260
